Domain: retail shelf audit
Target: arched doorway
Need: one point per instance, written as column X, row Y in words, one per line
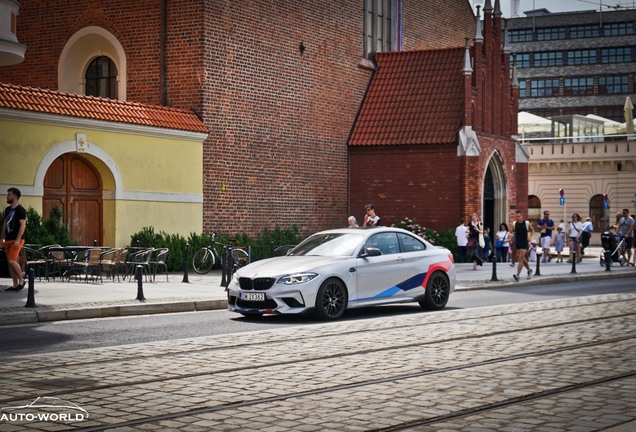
column 495, row 194
column 74, row 185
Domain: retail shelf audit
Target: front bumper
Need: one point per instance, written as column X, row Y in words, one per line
column 276, row 300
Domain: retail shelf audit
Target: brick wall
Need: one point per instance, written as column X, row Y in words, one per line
column 419, row 182
column 436, row 24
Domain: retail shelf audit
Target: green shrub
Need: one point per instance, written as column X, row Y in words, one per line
column 260, row 247
column 50, row 231
column 411, row 225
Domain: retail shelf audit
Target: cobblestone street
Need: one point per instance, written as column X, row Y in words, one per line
column 563, row 365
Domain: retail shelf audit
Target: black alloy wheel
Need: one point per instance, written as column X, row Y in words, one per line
column 437, row 292
column 331, row 301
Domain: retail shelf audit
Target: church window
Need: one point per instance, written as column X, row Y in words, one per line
column 101, row 78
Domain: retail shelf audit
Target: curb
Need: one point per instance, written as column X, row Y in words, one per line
column 32, row 315
column 541, row 280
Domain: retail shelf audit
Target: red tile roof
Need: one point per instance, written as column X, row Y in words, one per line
column 415, row 97
column 89, row 107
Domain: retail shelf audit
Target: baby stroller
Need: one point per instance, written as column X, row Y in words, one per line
column 616, row 249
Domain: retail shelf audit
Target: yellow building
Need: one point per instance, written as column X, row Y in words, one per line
column 113, row 167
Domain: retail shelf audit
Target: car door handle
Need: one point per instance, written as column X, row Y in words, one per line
column 352, row 270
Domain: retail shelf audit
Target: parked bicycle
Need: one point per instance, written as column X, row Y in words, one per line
column 205, row 258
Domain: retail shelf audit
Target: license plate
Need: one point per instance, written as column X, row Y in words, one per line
column 249, row 296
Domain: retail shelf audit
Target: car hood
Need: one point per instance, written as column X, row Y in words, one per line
column 280, row 266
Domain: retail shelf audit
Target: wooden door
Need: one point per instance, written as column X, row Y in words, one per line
column 74, row 185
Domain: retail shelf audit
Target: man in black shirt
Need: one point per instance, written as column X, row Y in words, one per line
column 12, row 238
column 522, row 232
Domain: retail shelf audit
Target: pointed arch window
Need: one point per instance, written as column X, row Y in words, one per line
column 101, row 78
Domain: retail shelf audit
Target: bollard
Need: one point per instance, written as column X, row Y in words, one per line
column 140, row 284
column 608, row 257
column 573, row 261
column 186, row 264
column 94, row 242
column 31, row 293
column 224, row 261
column 494, row 269
column 538, row 271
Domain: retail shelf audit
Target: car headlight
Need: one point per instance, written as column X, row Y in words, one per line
column 235, row 279
column 297, row 278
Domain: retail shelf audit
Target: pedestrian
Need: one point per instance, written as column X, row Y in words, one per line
column 487, row 244
column 370, row 218
column 12, row 238
column 522, row 231
column 559, row 242
column 586, row 234
column 503, row 243
column 462, row 240
column 352, row 222
column 626, row 231
column 532, row 252
column 633, row 242
column 574, row 232
column 546, row 225
column 475, row 231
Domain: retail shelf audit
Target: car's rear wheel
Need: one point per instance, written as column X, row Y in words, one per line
column 331, row 301
column 437, row 292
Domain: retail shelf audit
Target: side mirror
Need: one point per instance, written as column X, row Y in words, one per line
column 370, row 252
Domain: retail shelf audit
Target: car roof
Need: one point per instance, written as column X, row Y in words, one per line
column 365, row 231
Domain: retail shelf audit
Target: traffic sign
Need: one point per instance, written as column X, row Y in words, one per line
column 561, row 201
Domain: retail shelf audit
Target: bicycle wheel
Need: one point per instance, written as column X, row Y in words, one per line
column 203, row 261
column 239, row 257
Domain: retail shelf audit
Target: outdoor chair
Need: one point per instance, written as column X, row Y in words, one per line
column 58, row 262
column 139, row 258
column 113, row 260
column 88, row 262
column 34, row 259
column 158, row 261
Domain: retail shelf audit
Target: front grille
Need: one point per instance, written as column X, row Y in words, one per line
column 259, row 284
column 267, row 304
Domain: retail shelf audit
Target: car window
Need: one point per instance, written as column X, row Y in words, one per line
column 329, row 244
column 387, row 242
column 410, row 243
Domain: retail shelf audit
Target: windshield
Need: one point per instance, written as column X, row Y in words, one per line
column 329, row 245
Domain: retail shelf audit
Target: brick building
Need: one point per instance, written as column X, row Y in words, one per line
column 277, row 83
column 433, row 138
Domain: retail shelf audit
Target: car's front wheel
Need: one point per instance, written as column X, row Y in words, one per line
column 437, row 292
column 331, row 301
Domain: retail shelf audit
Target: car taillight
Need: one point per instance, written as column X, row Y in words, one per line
column 450, row 257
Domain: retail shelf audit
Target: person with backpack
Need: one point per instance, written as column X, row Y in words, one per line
column 522, row 231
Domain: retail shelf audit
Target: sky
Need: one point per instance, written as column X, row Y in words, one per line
column 558, row 5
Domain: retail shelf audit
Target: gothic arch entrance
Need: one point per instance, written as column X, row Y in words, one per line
column 74, row 185
column 495, row 194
